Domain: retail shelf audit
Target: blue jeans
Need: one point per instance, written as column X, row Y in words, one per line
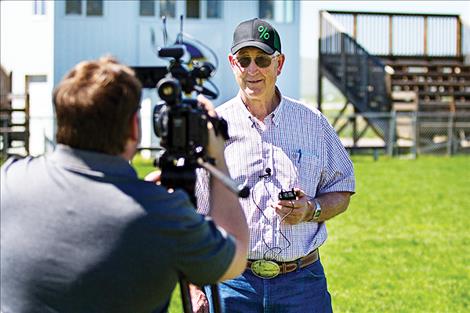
column 301, row 291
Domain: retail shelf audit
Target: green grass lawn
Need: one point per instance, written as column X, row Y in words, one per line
column 404, row 243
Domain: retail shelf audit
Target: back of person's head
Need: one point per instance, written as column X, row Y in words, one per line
column 95, row 103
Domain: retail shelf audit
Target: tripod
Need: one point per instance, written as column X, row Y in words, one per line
column 184, row 177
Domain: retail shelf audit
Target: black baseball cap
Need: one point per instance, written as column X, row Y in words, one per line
column 256, row 33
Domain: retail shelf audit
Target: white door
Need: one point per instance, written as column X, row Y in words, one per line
column 41, row 120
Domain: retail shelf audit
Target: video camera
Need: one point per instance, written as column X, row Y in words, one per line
column 180, row 122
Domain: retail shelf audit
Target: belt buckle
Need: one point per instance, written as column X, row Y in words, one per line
column 265, row 269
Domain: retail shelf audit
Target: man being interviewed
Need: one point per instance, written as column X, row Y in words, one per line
column 299, row 173
column 81, row 233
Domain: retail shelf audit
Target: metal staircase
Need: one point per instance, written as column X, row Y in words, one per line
column 401, row 67
column 14, row 121
column 360, row 76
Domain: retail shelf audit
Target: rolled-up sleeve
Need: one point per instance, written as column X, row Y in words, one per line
column 337, row 170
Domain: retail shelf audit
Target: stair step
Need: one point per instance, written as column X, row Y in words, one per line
column 435, row 67
column 457, row 106
column 399, row 74
column 434, row 90
column 420, row 62
column 431, row 83
column 404, row 95
column 445, row 93
column 14, row 133
column 405, row 106
column 462, row 105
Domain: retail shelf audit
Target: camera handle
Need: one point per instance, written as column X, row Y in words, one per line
column 241, row 191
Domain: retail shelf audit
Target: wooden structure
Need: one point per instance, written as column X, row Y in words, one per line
column 405, row 63
column 438, row 85
column 14, row 121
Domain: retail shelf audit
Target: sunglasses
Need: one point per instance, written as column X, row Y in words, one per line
column 262, row 60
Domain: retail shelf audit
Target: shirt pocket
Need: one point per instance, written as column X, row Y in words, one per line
column 308, row 171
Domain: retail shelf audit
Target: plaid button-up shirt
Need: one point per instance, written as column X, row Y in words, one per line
column 302, row 150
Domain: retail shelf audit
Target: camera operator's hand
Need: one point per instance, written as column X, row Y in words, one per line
column 198, row 299
column 155, row 177
column 207, row 104
column 216, row 143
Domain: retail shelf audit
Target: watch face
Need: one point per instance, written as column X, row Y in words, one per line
column 317, row 212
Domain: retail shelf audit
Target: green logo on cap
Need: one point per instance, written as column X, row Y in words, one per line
column 263, row 32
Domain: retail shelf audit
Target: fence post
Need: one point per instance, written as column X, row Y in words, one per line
column 450, row 133
column 459, row 37
column 391, row 133
column 414, row 129
column 344, row 62
column 390, row 34
column 425, row 43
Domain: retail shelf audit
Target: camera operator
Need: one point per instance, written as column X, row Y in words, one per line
column 81, row 233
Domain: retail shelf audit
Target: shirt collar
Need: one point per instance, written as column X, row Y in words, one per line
column 91, row 162
column 276, row 114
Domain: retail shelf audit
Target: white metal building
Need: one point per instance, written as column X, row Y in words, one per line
column 42, row 40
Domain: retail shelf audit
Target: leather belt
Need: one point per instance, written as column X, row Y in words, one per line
column 270, row 269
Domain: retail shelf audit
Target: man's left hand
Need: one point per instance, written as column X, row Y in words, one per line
column 154, row 176
column 294, row 211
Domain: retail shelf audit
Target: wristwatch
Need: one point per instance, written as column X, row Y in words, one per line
column 316, row 212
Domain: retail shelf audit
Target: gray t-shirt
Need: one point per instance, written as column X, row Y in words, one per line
column 81, row 233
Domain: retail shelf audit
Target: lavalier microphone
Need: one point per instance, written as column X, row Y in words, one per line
column 268, row 173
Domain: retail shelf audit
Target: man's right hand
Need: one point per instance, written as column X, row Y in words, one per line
column 198, row 299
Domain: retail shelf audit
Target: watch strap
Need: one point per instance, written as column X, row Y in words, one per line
column 316, row 211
